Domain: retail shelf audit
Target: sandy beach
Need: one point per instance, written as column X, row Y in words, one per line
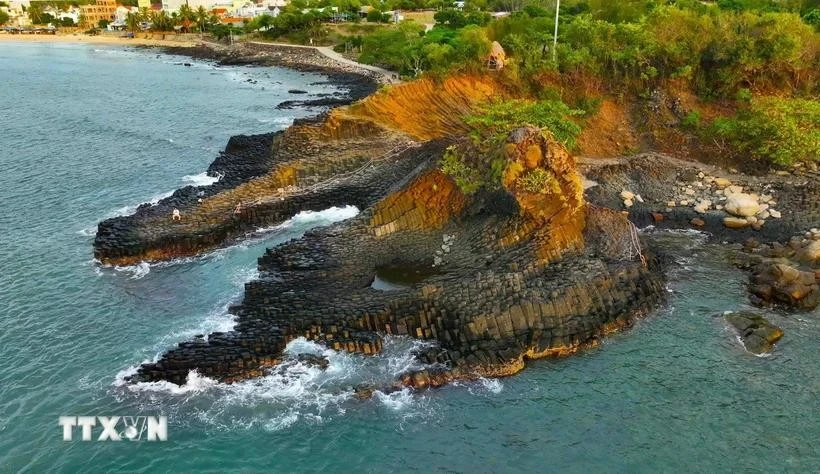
column 139, row 40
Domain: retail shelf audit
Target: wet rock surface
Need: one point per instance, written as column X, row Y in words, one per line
column 520, row 272
column 756, row 332
column 732, row 208
column 785, row 284
column 502, row 293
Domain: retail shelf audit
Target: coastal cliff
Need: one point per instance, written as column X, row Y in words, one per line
column 489, row 300
column 526, row 267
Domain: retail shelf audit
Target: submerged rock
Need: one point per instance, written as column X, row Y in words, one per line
column 757, row 334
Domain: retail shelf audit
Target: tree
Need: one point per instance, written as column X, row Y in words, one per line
column 132, row 22
column 779, row 130
column 161, row 21
column 35, row 13
column 377, row 16
column 4, row 17
column 186, row 16
column 102, row 24
column 202, row 18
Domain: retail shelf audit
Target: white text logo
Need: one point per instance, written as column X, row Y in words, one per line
column 115, row 428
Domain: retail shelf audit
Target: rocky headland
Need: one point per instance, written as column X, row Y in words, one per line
column 494, row 277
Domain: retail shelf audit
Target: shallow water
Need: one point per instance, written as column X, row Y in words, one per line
column 91, row 132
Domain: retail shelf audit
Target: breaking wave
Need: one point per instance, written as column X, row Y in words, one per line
column 131, row 208
column 293, row 392
column 308, row 219
column 201, row 179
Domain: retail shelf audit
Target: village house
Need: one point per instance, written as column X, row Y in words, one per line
column 92, row 14
column 17, row 17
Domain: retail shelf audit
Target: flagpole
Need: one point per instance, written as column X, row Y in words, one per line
column 555, row 35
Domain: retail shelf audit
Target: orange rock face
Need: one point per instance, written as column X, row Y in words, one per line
column 424, row 109
column 552, row 203
column 429, row 202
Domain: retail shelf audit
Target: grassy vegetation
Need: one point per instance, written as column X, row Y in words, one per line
column 726, row 50
column 497, row 119
column 540, row 181
column 780, row 130
column 467, row 176
column 479, row 164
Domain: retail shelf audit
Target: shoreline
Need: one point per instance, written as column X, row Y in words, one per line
column 359, row 82
column 246, row 157
column 80, row 38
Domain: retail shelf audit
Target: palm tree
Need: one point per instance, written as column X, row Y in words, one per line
column 132, row 21
column 202, row 17
column 186, row 12
column 186, row 16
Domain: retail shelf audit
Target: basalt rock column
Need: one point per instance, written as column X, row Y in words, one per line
column 489, row 301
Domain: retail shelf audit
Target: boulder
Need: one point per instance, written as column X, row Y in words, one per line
column 811, row 253
column 741, row 205
column 784, row 284
column 757, row 334
column 722, row 182
column 735, row 222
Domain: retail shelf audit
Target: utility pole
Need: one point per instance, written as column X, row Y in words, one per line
column 555, row 35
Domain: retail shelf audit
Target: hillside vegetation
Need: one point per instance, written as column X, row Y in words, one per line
column 749, row 67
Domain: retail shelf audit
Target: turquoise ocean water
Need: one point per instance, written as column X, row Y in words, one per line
column 88, row 132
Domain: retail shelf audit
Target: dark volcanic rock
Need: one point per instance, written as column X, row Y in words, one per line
column 357, row 82
column 784, row 284
column 758, row 334
column 323, row 102
column 313, row 360
column 508, row 286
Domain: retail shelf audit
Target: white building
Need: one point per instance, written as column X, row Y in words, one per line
column 252, row 10
column 17, row 17
column 122, row 12
column 73, row 13
column 171, row 6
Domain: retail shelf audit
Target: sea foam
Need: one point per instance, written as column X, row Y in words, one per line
column 201, row 179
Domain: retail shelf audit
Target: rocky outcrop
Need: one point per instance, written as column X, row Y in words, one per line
column 784, row 284
column 756, row 333
column 353, row 155
column 732, row 208
column 492, row 301
column 774, row 207
column 785, row 274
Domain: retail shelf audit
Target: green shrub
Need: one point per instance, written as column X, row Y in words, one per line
column 497, row 119
column 589, row 105
column 778, row 130
column 467, row 178
column 691, row 120
column 539, row 180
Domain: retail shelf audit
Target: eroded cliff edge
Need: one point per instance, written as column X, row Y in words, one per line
column 498, row 276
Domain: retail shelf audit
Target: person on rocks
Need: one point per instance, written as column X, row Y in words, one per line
column 238, row 209
column 175, row 215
